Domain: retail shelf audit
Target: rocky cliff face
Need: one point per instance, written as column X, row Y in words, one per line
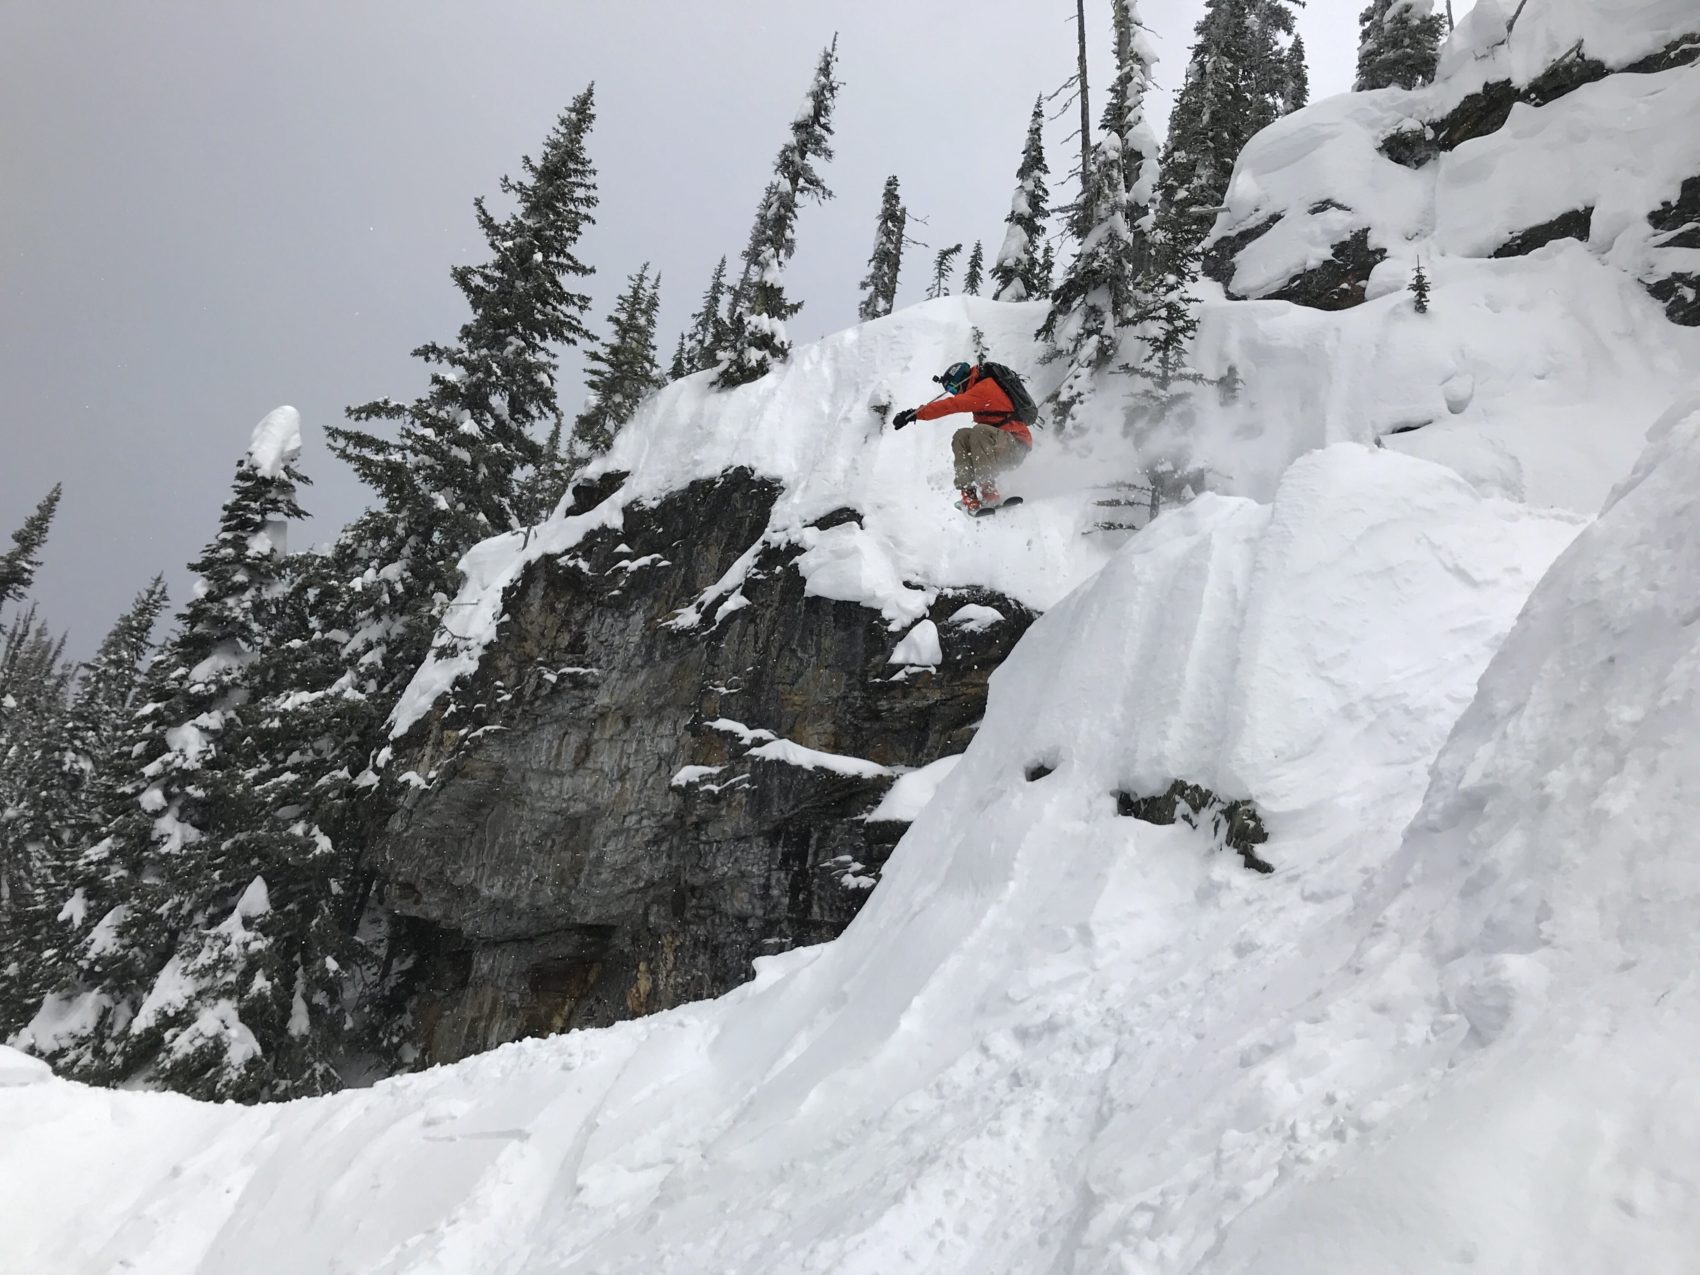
column 619, row 812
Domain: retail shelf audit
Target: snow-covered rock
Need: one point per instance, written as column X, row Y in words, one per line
column 1579, row 125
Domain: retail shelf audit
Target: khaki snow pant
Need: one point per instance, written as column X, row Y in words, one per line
column 983, row 452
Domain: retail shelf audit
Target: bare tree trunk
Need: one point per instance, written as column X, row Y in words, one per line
column 1450, row 25
column 1085, row 107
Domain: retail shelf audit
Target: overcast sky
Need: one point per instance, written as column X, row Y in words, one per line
column 210, row 209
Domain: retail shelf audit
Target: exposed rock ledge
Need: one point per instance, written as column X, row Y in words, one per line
column 596, row 841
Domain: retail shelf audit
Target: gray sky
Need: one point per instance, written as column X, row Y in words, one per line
column 209, row 209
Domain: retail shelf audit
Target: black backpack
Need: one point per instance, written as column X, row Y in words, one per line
column 1026, row 410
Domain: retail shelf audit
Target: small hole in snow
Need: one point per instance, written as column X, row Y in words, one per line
column 1038, row 770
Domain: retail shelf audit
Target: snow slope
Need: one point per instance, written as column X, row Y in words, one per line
column 1055, row 1039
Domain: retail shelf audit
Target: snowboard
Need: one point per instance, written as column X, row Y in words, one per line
column 985, row 511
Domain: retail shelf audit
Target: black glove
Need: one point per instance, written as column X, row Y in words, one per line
column 905, row 417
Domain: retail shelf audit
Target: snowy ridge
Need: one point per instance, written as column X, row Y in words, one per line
column 1054, row 1036
column 1536, row 385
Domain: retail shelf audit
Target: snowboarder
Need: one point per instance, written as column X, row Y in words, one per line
column 999, row 439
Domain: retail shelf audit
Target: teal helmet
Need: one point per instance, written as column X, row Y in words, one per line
column 955, row 378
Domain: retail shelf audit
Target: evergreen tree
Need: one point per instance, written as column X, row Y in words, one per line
column 1125, row 119
column 1398, row 44
column 166, row 874
column 1298, row 76
column 47, row 794
column 1096, row 298
column 1169, row 319
column 1273, row 29
column 757, row 336
column 944, row 265
column 1017, row 270
column 622, row 371
column 33, row 685
column 1044, row 277
column 450, row 479
column 539, row 490
column 879, row 287
column 705, row 339
column 975, row 279
column 1237, row 82
column 18, row 567
column 1419, row 286
column 316, row 981
column 107, row 683
column 678, row 369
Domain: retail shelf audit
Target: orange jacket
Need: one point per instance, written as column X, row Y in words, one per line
column 986, row 399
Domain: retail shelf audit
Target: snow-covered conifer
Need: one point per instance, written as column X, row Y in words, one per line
column 1237, row 82
column 18, row 566
column 1298, row 75
column 448, row 478
column 1398, row 44
column 879, row 287
column 758, row 338
column 944, row 266
column 107, row 683
column 678, row 369
column 1017, row 270
column 1096, row 298
column 1419, row 286
column 164, row 871
column 1125, row 117
column 1169, row 319
column 622, row 370
column 540, row 489
column 706, row 336
column 33, row 682
column 95, row 717
column 975, row 277
column 1098, row 295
